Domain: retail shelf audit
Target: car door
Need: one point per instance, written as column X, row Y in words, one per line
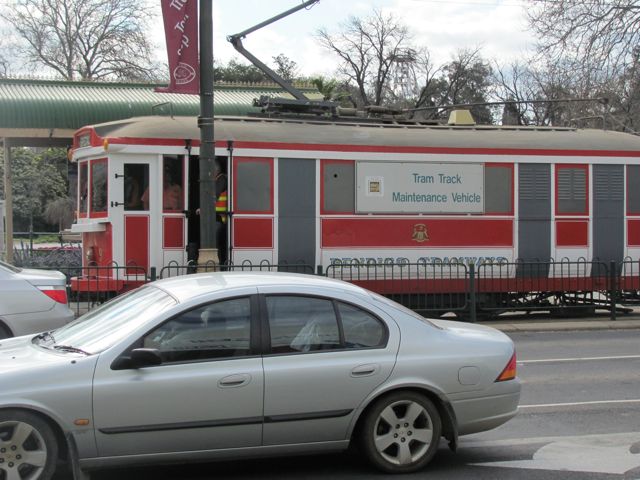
column 205, row 395
column 324, row 356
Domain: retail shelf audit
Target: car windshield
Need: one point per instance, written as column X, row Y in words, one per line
column 9, row 267
column 103, row 327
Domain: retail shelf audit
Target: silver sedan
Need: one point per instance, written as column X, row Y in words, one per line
column 31, row 301
column 233, row 365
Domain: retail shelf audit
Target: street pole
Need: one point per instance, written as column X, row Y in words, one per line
column 8, row 201
column 208, row 253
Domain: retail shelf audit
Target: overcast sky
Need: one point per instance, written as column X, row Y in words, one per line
column 444, row 26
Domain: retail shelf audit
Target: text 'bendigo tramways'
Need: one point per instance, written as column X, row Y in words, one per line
column 420, row 187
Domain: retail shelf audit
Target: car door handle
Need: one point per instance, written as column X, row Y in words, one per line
column 365, row 370
column 232, row 381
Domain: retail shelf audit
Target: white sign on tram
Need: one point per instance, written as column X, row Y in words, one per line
column 419, row 187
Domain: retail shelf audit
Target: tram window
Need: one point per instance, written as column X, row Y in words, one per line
column 99, row 186
column 253, row 186
column 83, row 194
column 571, row 195
column 498, row 186
column 172, row 184
column 136, row 183
column 633, row 189
column 339, row 187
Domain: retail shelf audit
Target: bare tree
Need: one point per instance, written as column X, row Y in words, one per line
column 594, row 48
column 427, row 75
column 60, row 212
column 367, row 48
column 467, row 78
column 624, row 95
column 285, row 67
column 4, row 54
column 552, row 95
column 85, row 39
column 513, row 84
column 4, row 66
column 600, row 33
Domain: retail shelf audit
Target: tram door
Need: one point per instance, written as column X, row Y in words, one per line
column 152, row 228
column 296, row 211
column 223, row 230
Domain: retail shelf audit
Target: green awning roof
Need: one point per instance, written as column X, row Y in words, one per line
column 40, row 108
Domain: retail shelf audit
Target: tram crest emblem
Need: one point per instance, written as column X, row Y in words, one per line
column 420, row 233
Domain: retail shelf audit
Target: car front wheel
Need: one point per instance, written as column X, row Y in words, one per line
column 4, row 333
column 28, row 448
column 401, row 432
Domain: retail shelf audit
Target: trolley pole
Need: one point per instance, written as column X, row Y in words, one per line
column 208, row 254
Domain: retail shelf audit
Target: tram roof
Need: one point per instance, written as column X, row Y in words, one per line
column 298, row 132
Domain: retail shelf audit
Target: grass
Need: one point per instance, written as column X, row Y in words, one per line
column 37, row 238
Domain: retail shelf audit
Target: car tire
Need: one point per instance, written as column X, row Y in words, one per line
column 29, row 446
column 401, row 432
column 4, row 332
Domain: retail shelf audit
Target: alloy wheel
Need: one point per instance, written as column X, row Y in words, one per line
column 403, row 432
column 23, row 451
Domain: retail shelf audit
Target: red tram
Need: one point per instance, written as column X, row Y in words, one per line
column 356, row 193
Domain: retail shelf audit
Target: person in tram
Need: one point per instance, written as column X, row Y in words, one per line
column 171, row 195
column 172, row 198
column 222, row 212
column 132, row 197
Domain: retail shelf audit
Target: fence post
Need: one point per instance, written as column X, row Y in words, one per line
column 613, row 289
column 153, row 274
column 472, row 293
column 319, row 270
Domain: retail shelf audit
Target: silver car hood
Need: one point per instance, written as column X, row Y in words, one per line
column 17, row 354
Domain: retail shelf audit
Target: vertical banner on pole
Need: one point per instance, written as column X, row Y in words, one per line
column 181, row 33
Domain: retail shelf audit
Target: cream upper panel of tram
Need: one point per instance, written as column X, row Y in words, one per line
column 99, row 152
column 261, row 130
column 275, row 134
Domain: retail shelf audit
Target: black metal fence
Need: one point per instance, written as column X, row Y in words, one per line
column 433, row 288
column 471, row 292
column 174, row 269
column 90, row 286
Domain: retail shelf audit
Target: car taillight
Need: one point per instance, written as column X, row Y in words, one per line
column 509, row 372
column 57, row 293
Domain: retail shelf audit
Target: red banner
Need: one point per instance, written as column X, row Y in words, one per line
column 181, row 32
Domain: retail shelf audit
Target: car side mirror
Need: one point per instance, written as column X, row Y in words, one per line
column 139, row 358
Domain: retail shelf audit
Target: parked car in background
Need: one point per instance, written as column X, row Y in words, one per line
column 234, row 364
column 31, row 301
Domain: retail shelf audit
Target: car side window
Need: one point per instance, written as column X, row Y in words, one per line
column 361, row 329
column 214, row 331
column 302, row 324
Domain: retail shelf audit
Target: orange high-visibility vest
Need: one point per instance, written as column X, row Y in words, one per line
column 221, row 206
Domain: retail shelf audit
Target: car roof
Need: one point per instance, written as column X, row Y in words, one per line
column 186, row 287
